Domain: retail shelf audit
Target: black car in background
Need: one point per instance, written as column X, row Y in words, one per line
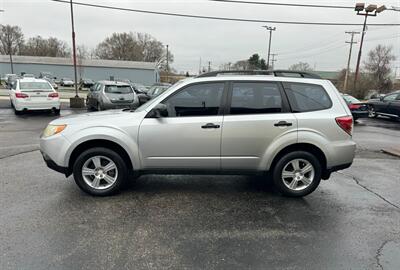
column 358, row 109
column 388, row 105
column 141, row 92
column 85, row 83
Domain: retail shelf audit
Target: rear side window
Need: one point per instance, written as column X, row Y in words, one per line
column 255, row 98
column 304, row 97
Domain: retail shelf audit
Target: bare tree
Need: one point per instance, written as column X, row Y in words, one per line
column 301, row 66
column 82, row 53
column 133, row 47
column 378, row 66
column 11, row 40
column 39, row 46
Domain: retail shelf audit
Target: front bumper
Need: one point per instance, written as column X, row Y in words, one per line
column 52, row 165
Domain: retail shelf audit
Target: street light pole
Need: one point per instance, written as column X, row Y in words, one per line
column 74, row 49
column 270, row 29
column 167, row 65
column 370, row 10
column 75, row 102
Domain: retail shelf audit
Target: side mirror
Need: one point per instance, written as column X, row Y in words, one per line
column 91, row 89
column 381, row 98
column 160, row 110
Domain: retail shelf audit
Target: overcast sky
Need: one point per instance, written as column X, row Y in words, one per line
column 217, row 41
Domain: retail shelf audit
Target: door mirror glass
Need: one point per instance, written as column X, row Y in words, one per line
column 160, row 110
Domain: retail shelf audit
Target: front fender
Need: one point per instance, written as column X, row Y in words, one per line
column 125, row 140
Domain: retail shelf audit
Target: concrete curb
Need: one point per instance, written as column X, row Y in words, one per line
column 394, row 151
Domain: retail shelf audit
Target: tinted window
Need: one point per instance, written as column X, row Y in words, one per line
column 27, row 86
column 390, row 97
column 196, row 100
column 307, row 97
column 118, row 89
column 252, row 98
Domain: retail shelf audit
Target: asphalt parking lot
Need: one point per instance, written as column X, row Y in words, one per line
column 352, row 221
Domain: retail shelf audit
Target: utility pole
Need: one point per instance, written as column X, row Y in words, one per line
column 167, row 79
column 273, row 60
column 370, row 10
column 351, row 42
column 270, row 29
column 75, row 102
column 200, row 66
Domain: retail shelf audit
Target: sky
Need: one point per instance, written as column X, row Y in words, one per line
column 219, row 42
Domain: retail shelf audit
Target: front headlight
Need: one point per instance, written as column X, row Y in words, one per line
column 51, row 130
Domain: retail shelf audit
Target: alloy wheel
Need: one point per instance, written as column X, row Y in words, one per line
column 298, row 174
column 99, row 172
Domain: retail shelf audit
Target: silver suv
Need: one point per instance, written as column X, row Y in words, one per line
column 105, row 95
column 295, row 130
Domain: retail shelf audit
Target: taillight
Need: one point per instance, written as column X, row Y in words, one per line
column 53, row 95
column 346, row 123
column 354, row 106
column 21, row 95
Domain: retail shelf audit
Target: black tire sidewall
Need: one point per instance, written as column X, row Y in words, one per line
column 277, row 172
column 115, row 157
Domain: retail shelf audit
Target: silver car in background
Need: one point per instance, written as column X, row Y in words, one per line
column 105, row 95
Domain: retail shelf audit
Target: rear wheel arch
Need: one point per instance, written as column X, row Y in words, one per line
column 99, row 143
column 306, row 147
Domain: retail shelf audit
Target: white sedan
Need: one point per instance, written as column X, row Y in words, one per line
column 34, row 94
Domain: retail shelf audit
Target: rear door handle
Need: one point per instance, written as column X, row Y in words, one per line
column 210, row 125
column 283, row 124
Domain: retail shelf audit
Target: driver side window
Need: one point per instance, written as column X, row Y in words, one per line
column 390, row 97
column 196, row 100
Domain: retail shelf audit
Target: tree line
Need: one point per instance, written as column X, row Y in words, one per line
column 129, row 46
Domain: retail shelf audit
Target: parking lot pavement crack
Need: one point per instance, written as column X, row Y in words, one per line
column 379, row 254
column 357, row 181
column 20, row 153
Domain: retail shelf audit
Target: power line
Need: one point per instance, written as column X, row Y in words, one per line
column 291, row 4
column 222, row 18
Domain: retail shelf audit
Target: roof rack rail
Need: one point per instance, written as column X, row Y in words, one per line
column 276, row 73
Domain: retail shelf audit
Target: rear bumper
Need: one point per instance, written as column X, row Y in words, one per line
column 32, row 105
column 109, row 106
column 359, row 114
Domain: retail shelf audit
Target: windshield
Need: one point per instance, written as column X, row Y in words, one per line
column 350, row 99
column 118, row 89
column 140, row 87
column 66, row 79
column 34, row 86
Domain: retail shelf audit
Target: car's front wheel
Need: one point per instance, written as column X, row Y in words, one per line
column 100, row 171
column 372, row 112
column 297, row 174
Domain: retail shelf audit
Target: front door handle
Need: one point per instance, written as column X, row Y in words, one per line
column 210, row 125
column 283, row 124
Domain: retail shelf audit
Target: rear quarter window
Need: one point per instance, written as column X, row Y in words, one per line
column 304, row 97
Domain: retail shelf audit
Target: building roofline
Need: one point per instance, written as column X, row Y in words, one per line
column 44, row 60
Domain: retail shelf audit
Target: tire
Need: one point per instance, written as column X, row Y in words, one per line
column 99, row 186
column 300, row 186
column 371, row 112
column 17, row 112
column 57, row 111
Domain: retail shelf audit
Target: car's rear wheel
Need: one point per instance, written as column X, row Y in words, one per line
column 297, row 174
column 371, row 112
column 100, row 171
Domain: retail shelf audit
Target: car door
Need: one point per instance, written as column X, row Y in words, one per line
column 385, row 103
column 394, row 106
column 258, row 114
column 189, row 137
